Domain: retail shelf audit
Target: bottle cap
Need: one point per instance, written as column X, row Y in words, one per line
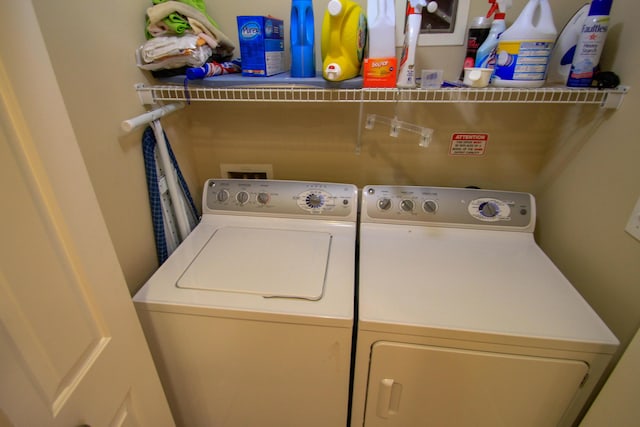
column 334, row 7
column 600, row 7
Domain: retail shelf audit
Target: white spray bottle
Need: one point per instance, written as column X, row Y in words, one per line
column 407, row 73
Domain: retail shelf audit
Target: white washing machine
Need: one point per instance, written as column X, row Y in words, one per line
column 250, row 320
column 463, row 320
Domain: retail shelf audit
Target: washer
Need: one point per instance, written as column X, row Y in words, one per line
column 250, row 320
column 463, row 320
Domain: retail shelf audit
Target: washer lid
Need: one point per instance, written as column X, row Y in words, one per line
column 267, row 262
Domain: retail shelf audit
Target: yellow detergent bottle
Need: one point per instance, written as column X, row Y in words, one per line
column 344, row 34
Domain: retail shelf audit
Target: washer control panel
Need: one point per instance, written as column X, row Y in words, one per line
column 281, row 198
column 448, row 206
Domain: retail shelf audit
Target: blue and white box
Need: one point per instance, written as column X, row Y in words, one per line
column 261, row 45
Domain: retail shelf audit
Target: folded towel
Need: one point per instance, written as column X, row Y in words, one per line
column 159, row 12
column 197, row 4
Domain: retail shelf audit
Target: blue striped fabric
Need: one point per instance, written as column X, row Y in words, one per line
column 148, row 150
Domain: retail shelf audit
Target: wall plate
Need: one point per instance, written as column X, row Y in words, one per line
column 456, row 38
column 246, row 171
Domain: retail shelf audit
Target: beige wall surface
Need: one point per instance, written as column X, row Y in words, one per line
column 578, row 160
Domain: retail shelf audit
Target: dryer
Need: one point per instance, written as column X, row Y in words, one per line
column 250, row 320
column 463, row 320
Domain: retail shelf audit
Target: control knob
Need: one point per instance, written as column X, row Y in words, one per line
column 489, row 209
column 242, row 197
column 430, row 206
column 384, row 204
column 314, row 200
column 263, row 198
column 222, row 196
column 406, row 205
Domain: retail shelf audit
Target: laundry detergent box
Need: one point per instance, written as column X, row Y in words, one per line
column 261, row 45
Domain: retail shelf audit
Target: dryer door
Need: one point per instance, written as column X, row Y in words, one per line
column 411, row 385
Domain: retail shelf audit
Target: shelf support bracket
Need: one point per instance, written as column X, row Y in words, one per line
column 145, row 94
column 613, row 99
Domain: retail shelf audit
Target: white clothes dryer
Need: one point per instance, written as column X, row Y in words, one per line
column 463, row 320
column 250, row 320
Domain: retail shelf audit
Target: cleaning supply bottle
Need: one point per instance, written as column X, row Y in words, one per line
column 344, row 35
column 486, row 55
column 477, row 34
column 523, row 51
column 381, row 26
column 565, row 47
column 380, row 65
column 407, row 73
column 302, row 38
column 590, row 43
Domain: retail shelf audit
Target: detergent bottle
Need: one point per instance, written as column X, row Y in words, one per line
column 523, row 51
column 302, row 37
column 486, row 55
column 344, row 35
column 407, row 73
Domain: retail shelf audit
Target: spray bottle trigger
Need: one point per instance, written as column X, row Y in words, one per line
column 492, row 9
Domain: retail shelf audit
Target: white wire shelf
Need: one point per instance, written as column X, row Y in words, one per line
column 606, row 98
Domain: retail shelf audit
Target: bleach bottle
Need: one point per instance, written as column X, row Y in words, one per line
column 344, row 35
column 523, row 51
column 303, row 53
column 486, row 55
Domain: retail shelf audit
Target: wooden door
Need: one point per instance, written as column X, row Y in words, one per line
column 71, row 349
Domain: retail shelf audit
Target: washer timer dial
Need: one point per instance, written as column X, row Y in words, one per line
column 316, row 201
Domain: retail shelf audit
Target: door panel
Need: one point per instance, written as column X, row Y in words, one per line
column 415, row 385
column 72, row 350
column 43, row 298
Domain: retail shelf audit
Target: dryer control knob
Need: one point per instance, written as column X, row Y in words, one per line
column 222, row 196
column 406, row 205
column 430, row 206
column 384, row 204
column 489, row 209
column 263, row 198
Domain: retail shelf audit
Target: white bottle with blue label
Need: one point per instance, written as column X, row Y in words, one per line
column 523, row 51
column 590, row 43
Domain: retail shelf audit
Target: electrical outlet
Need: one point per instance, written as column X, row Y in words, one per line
column 633, row 226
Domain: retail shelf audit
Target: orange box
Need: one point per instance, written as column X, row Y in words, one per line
column 379, row 72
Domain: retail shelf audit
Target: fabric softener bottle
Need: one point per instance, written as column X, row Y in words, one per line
column 590, row 43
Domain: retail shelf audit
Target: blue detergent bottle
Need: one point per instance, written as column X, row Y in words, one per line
column 302, row 37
